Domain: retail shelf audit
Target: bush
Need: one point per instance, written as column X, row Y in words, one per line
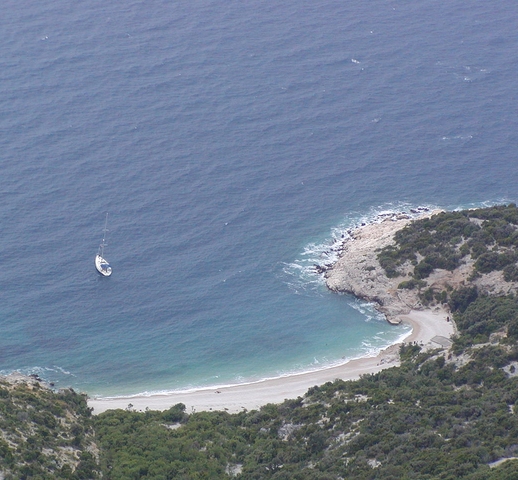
column 461, row 298
column 175, row 414
column 422, row 270
column 441, row 297
column 487, row 262
column 511, row 273
column 427, row 296
column 411, row 284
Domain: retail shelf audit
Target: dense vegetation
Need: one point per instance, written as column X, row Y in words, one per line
column 438, row 416
column 45, row 435
column 488, row 236
column 443, row 414
column 428, row 419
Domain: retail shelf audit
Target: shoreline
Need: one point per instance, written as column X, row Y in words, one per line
column 356, row 271
column 428, row 328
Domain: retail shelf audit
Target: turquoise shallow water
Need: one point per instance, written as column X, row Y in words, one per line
column 231, row 144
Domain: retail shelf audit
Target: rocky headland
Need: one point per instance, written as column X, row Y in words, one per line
column 358, row 270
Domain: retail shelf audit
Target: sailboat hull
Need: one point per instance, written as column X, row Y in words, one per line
column 102, row 266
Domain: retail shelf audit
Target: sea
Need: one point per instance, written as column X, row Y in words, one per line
column 232, row 144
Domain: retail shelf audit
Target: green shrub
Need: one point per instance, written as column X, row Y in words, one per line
column 462, row 297
column 487, row 262
column 422, row 270
column 175, row 414
column 411, row 284
column 511, row 273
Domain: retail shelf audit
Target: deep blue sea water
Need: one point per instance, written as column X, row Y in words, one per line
column 231, row 143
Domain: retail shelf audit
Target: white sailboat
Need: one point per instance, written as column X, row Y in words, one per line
column 101, row 264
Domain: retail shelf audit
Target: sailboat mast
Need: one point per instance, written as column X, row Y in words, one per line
column 101, row 264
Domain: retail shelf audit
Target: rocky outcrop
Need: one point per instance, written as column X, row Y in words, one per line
column 358, row 271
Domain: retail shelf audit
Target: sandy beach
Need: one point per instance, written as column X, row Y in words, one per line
column 358, row 272
column 429, row 328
